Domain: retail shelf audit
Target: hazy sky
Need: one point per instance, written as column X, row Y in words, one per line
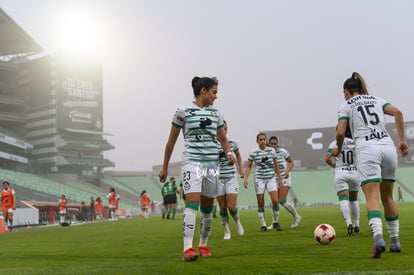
column 280, row 64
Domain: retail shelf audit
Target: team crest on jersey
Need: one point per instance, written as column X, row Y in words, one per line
column 214, row 112
column 186, row 185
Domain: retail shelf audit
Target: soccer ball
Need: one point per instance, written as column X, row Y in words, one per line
column 324, row 233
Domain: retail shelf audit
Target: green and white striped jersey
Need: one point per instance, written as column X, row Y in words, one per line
column 200, row 131
column 265, row 168
column 282, row 156
column 227, row 170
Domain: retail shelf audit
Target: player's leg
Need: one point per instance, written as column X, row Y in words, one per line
column 369, row 169
column 189, row 220
column 343, row 197
column 222, row 202
column 206, row 222
column 5, row 216
column 283, row 193
column 355, row 209
column 391, row 215
column 192, row 192
column 10, row 218
column 371, row 191
column 164, row 207
column 168, row 208
column 224, row 217
column 232, row 190
column 386, row 189
column 173, row 206
column 275, row 209
column 61, row 216
column 261, row 211
column 272, row 188
column 209, row 190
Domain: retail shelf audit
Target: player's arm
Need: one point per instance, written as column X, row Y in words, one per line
column 169, row 148
column 222, row 138
column 247, row 173
column 14, row 202
column 239, row 162
column 399, row 124
column 340, row 136
column 291, row 163
column 277, row 169
column 328, row 160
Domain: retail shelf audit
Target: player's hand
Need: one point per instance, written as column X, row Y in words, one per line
column 246, row 184
column 335, row 152
column 163, row 175
column 403, row 149
column 242, row 175
column 231, row 159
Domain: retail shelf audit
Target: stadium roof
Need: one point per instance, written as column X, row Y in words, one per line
column 13, row 39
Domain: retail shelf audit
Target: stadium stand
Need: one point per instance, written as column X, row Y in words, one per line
column 74, row 191
column 138, row 183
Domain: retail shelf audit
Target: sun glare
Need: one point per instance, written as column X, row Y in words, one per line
column 79, row 33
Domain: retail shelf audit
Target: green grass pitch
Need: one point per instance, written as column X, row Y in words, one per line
column 154, row 246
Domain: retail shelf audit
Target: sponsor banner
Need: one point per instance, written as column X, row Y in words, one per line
column 308, row 147
column 79, row 97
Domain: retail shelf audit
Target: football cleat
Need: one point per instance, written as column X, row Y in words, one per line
column 395, row 247
column 356, row 229
column 296, row 221
column 204, row 251
column 350, row 230
column 227, row 233
column 263, row 229
column 379, row 247
column 277, row 226
column 190, row 255
column 240, row 229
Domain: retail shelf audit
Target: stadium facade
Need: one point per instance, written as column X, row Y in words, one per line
column 51, row 118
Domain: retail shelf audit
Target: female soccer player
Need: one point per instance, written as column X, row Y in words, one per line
column 228, row 188
column 113, row 198
column 346, row 182
column 286, row 162
column 202, row 126
column 8, row 204
column 98, row 209
column 62, row 208
column 145, row 203
column 169, row 195
column 265, row 179
column 376, row 155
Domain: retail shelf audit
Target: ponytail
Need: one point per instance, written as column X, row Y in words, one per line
column 356, row 83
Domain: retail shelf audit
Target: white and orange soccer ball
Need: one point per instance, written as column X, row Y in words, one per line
column 324, row 233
